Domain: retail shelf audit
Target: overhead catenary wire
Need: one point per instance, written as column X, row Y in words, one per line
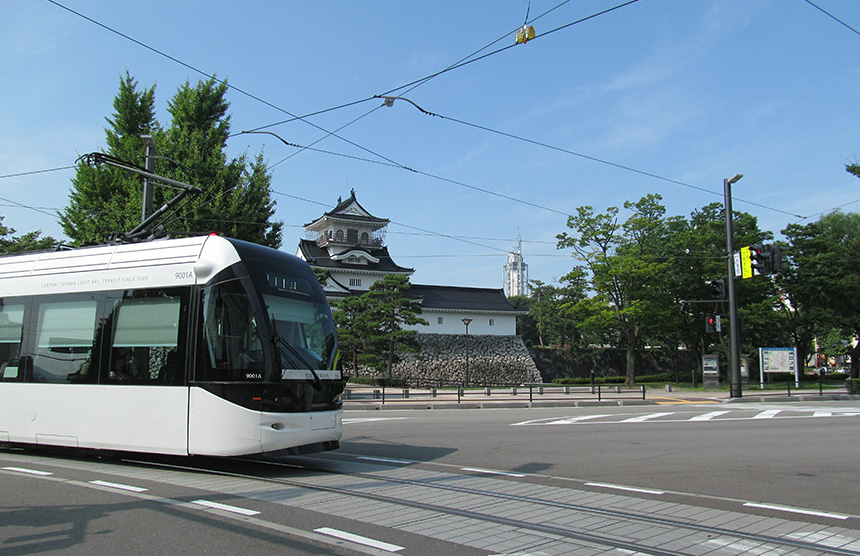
column 455, row 66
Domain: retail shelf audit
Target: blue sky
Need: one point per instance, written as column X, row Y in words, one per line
column 660, row 96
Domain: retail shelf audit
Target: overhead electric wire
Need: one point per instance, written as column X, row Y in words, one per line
column 833, row 17
column 465, row 61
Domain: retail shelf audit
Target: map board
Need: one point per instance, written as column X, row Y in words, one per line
column 778, row 360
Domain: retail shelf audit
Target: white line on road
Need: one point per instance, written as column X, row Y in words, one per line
column 708, row 416
column 647, row 417
column 28, row 471
column 386, row 460
column 796, row 510
column 556, row 421
column 491, row 472
column 769, row 414
column 366, row 541
column 629, row 489
column 225, row 507
column 371, row 419
column 119, row 486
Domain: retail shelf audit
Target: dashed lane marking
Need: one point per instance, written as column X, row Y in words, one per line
column 358, row 539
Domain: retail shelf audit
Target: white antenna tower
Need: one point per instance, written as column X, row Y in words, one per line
column 516, row 272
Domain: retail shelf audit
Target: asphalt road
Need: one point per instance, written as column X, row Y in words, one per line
column 772, row 457
column 800, row 453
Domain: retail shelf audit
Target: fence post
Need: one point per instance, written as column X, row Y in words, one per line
column 598, row 392
column 643, row 391
column 531, row 399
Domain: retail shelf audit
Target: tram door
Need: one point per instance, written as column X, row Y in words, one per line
column 143, row 363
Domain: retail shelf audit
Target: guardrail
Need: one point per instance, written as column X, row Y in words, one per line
column 598, row 392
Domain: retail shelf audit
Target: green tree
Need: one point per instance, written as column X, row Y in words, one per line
column 106, row 201
column 698, row 273
column 627, row 266
column 389, row 307
column 236, row 199
column 28, row 242
column 353, row 329
column 821, row 279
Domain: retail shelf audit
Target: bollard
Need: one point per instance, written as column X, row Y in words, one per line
column 668, row 387
column 513, row 390
column 487, row 390
column 405, row 393
column 567, row 389
column 376, row 394
column 617, row 389
column 433, row 392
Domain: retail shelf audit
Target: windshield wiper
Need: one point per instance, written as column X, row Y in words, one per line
column 285, row 346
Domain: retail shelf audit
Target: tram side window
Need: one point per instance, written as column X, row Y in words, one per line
column 146, row 347
column 11, row 326
column 64, row 340
column 231, row 347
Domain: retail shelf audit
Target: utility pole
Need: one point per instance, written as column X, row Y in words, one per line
column 149, row 165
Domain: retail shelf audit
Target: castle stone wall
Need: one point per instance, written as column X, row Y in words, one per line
column 493, row 360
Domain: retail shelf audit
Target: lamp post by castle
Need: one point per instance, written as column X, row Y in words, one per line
column 466, row 322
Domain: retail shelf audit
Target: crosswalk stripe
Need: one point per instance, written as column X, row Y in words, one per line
column 707, row 416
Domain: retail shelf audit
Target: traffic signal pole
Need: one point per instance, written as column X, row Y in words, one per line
column 734, row 336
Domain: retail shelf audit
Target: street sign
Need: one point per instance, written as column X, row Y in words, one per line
column 746, row 263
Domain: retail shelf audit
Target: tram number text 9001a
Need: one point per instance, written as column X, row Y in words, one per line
column 185, row 275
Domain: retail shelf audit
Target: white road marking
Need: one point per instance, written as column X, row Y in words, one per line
column 27, row 471
column 366, row 541
column 630, row 489
column 491, row 472
column 225, row 507
column 564, row 421
column 648, row 417
column 707, row 416
column 371, row 419
column 794, row 510
column 119, row 486
column 769, row 414
column 386, row 460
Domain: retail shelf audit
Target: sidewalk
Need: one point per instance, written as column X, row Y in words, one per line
column 361, row 397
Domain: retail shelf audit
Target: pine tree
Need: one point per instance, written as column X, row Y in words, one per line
column 236, row 198
column 106, row 201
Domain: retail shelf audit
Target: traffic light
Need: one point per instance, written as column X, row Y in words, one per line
column 776, row 258
column 711, row 322
column 720, row 286
column 758, row 259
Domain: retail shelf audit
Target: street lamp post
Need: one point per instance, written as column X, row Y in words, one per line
column 734, row 335
column 466, row 322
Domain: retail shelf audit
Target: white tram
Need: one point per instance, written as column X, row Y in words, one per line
column 197, row 346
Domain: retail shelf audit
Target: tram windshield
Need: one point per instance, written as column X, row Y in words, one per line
column 300, row 317
column 293, row 313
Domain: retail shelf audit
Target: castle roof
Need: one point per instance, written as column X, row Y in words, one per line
column 318, row 257
column 456, row 298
